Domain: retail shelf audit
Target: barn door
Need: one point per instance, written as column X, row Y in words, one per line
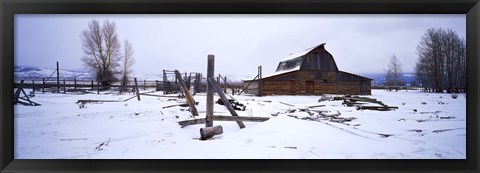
column 293, row 87
column 363, row 88
column 309, row 85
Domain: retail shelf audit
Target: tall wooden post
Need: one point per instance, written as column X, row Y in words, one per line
column 58, row 79
column 260, row 81
column 33, row 86
column 64, row 88
column 144, row 84
column 136, row 89
column 225, row 85
column 98, row 87
column 74, row 83
column 164, row 83
column 92, row 85
column 43, row 85
column 210, row 74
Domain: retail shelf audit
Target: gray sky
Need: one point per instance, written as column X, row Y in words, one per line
column 240, row 43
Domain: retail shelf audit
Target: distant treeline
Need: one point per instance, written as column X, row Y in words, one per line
column 442, row 61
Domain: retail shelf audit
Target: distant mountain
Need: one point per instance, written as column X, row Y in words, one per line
column 379, row 78
column 27, row 72
column 37, row 73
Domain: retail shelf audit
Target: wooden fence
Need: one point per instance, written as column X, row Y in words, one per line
column 72, row 84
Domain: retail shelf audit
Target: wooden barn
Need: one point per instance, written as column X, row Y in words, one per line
column 309, row 72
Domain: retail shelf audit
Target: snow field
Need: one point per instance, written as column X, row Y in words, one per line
column 60, row 129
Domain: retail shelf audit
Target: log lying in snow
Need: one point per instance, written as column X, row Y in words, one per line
column 209, row 132
column 378, row 108
column 222, row 118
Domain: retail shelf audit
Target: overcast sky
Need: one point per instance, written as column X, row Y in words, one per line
column 359, row 43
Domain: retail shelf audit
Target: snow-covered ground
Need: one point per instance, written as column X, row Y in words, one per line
column 60, row 129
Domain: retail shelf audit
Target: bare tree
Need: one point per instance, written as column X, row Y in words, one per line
column 441, row 64
column 101, row 50
column 394, row 72
column 127, row 63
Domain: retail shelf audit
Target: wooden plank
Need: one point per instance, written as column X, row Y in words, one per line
column 192, row 122
column 214, row 85
column 210, row 74
column 237, row 118
column 187, row 94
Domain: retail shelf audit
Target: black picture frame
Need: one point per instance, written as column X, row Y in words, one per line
column 8, row 8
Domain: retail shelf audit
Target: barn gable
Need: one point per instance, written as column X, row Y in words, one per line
column 314, row 58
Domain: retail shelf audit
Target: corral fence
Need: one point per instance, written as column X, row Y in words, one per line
column 63, row 85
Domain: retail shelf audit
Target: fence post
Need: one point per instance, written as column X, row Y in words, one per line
column 98, row 87
column 260, row 81
column 33, row 86
column 92, row 84
column 64, row 88
column 136, row 89
column 210, row 74
column 58, row 80
column 43, row 85
column 74, row 83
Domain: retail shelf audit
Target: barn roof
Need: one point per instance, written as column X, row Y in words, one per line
column 301, row 53
column 292, row 62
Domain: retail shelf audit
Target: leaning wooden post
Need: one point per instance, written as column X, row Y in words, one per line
column 58, row 79
column 43, row 85
column 189, row 97
column 260, row 81
column 215, row 86
column 136, row 89
column 210, row 74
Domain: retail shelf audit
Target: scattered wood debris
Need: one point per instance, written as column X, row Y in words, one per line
column 359, row 103
column 236, row 105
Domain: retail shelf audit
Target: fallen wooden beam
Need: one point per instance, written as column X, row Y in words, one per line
column 182, row 105
column 235, row 118
column 221, row 118
column 316, row 106
column 192, row 122
column 92, row 101
column 379, row 108
column 287, row 104
column 153, row 95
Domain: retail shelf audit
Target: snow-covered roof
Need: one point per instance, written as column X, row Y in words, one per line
column 301, row 53
column 282, row 72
